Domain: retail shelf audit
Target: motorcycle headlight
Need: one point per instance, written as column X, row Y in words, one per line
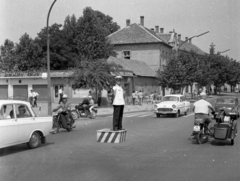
column 173, row 106
column 155, row 106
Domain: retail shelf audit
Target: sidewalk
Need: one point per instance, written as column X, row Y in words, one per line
column 42, row 109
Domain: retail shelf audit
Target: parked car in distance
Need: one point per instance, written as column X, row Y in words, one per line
column 174, row 104
column 229, row 102
column 19, row 124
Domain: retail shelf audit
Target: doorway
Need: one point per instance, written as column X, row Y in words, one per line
column 56, row 89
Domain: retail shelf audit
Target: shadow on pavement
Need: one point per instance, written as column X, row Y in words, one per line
column 18, row 148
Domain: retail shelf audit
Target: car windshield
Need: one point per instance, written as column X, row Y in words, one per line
column 171, row 98
column 225, row 101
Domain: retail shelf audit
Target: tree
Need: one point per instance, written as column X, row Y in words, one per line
column 60, row 52
column 28, row 55
column 95, row 74
column 7, row 54
column 233, row 74
column 91, row 40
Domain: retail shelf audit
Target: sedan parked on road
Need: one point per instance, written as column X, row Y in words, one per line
column 230, row 103
column 19, row 124
column 174, row 104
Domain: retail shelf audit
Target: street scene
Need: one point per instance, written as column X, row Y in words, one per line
column 109, row 91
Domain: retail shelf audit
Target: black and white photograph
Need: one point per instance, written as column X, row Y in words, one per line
column 121, row 90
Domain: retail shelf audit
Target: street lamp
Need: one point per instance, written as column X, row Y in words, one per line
column 178, row 48
column 224, row 51
column 48, row 66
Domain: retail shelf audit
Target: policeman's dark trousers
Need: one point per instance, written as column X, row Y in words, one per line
column 117, row 116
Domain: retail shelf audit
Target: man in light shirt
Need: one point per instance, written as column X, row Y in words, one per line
column 31, row 97
column 118, row 104
column 35, row 96
column 201, row 109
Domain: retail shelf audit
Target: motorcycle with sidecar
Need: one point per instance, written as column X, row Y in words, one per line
column 224, row 129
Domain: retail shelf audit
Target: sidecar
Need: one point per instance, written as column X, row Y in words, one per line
column 226, row 127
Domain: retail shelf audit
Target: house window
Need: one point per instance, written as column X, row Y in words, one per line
column 127, row 54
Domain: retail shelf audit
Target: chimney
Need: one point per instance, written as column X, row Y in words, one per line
column 157, row 29
column 161, row 30
column 190, row 40
column 128, row 22
column 142, row 20
column 179, row 36
column 186, row 38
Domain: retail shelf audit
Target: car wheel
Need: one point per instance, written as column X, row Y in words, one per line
column 177, row 114
column 34, row 141
column 158, row 115
column 232, row 141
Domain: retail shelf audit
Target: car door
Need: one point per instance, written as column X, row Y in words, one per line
column 181, row 105
column 186, row 104
column 8, row 126
column 26, row 121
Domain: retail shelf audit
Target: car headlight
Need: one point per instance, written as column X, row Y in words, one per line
column 173, row 106
column 155, row 106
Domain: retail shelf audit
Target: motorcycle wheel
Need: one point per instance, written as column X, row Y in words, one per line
column 200, row 137
column 92, row 115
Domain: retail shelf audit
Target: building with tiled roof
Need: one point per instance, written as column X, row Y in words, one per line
column 136, row 42
column 143, row 77
column 174, row 40
column 138, row 68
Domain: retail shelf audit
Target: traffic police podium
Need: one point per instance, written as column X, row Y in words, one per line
column 109, row 136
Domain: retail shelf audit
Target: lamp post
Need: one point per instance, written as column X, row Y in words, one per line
column 224, row 51
column 178, row 48
column 48, row 65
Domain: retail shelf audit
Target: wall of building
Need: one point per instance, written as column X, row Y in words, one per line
column 148, row 53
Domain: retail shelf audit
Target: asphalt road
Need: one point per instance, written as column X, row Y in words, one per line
column 155, row 149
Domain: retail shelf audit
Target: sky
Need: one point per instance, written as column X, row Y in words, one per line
column 187, row 17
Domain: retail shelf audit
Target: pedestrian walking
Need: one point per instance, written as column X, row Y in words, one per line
column 133, row 97
column 30, row 97
column 136, row 98
column 60, row 93
column 151, row 97
column 140, row 96
column 99, row 98
column 118, row 104
column 35, row 96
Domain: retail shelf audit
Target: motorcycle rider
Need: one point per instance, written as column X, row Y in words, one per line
column 91, row 103
column 201, row 109
column 84, row 105
column 65, row 105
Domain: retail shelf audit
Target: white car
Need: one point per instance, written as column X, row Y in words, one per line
column 172, row 105
column 19, row 124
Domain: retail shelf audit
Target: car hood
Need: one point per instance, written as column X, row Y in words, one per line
column 228, row 106
column 166, row 103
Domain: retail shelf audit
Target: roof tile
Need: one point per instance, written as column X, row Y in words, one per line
column 139, row 68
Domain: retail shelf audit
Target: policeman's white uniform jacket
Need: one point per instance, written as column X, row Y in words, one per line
column 118, row 96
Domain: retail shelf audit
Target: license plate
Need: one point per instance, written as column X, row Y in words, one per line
column 226, row 118
column 196, row 128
